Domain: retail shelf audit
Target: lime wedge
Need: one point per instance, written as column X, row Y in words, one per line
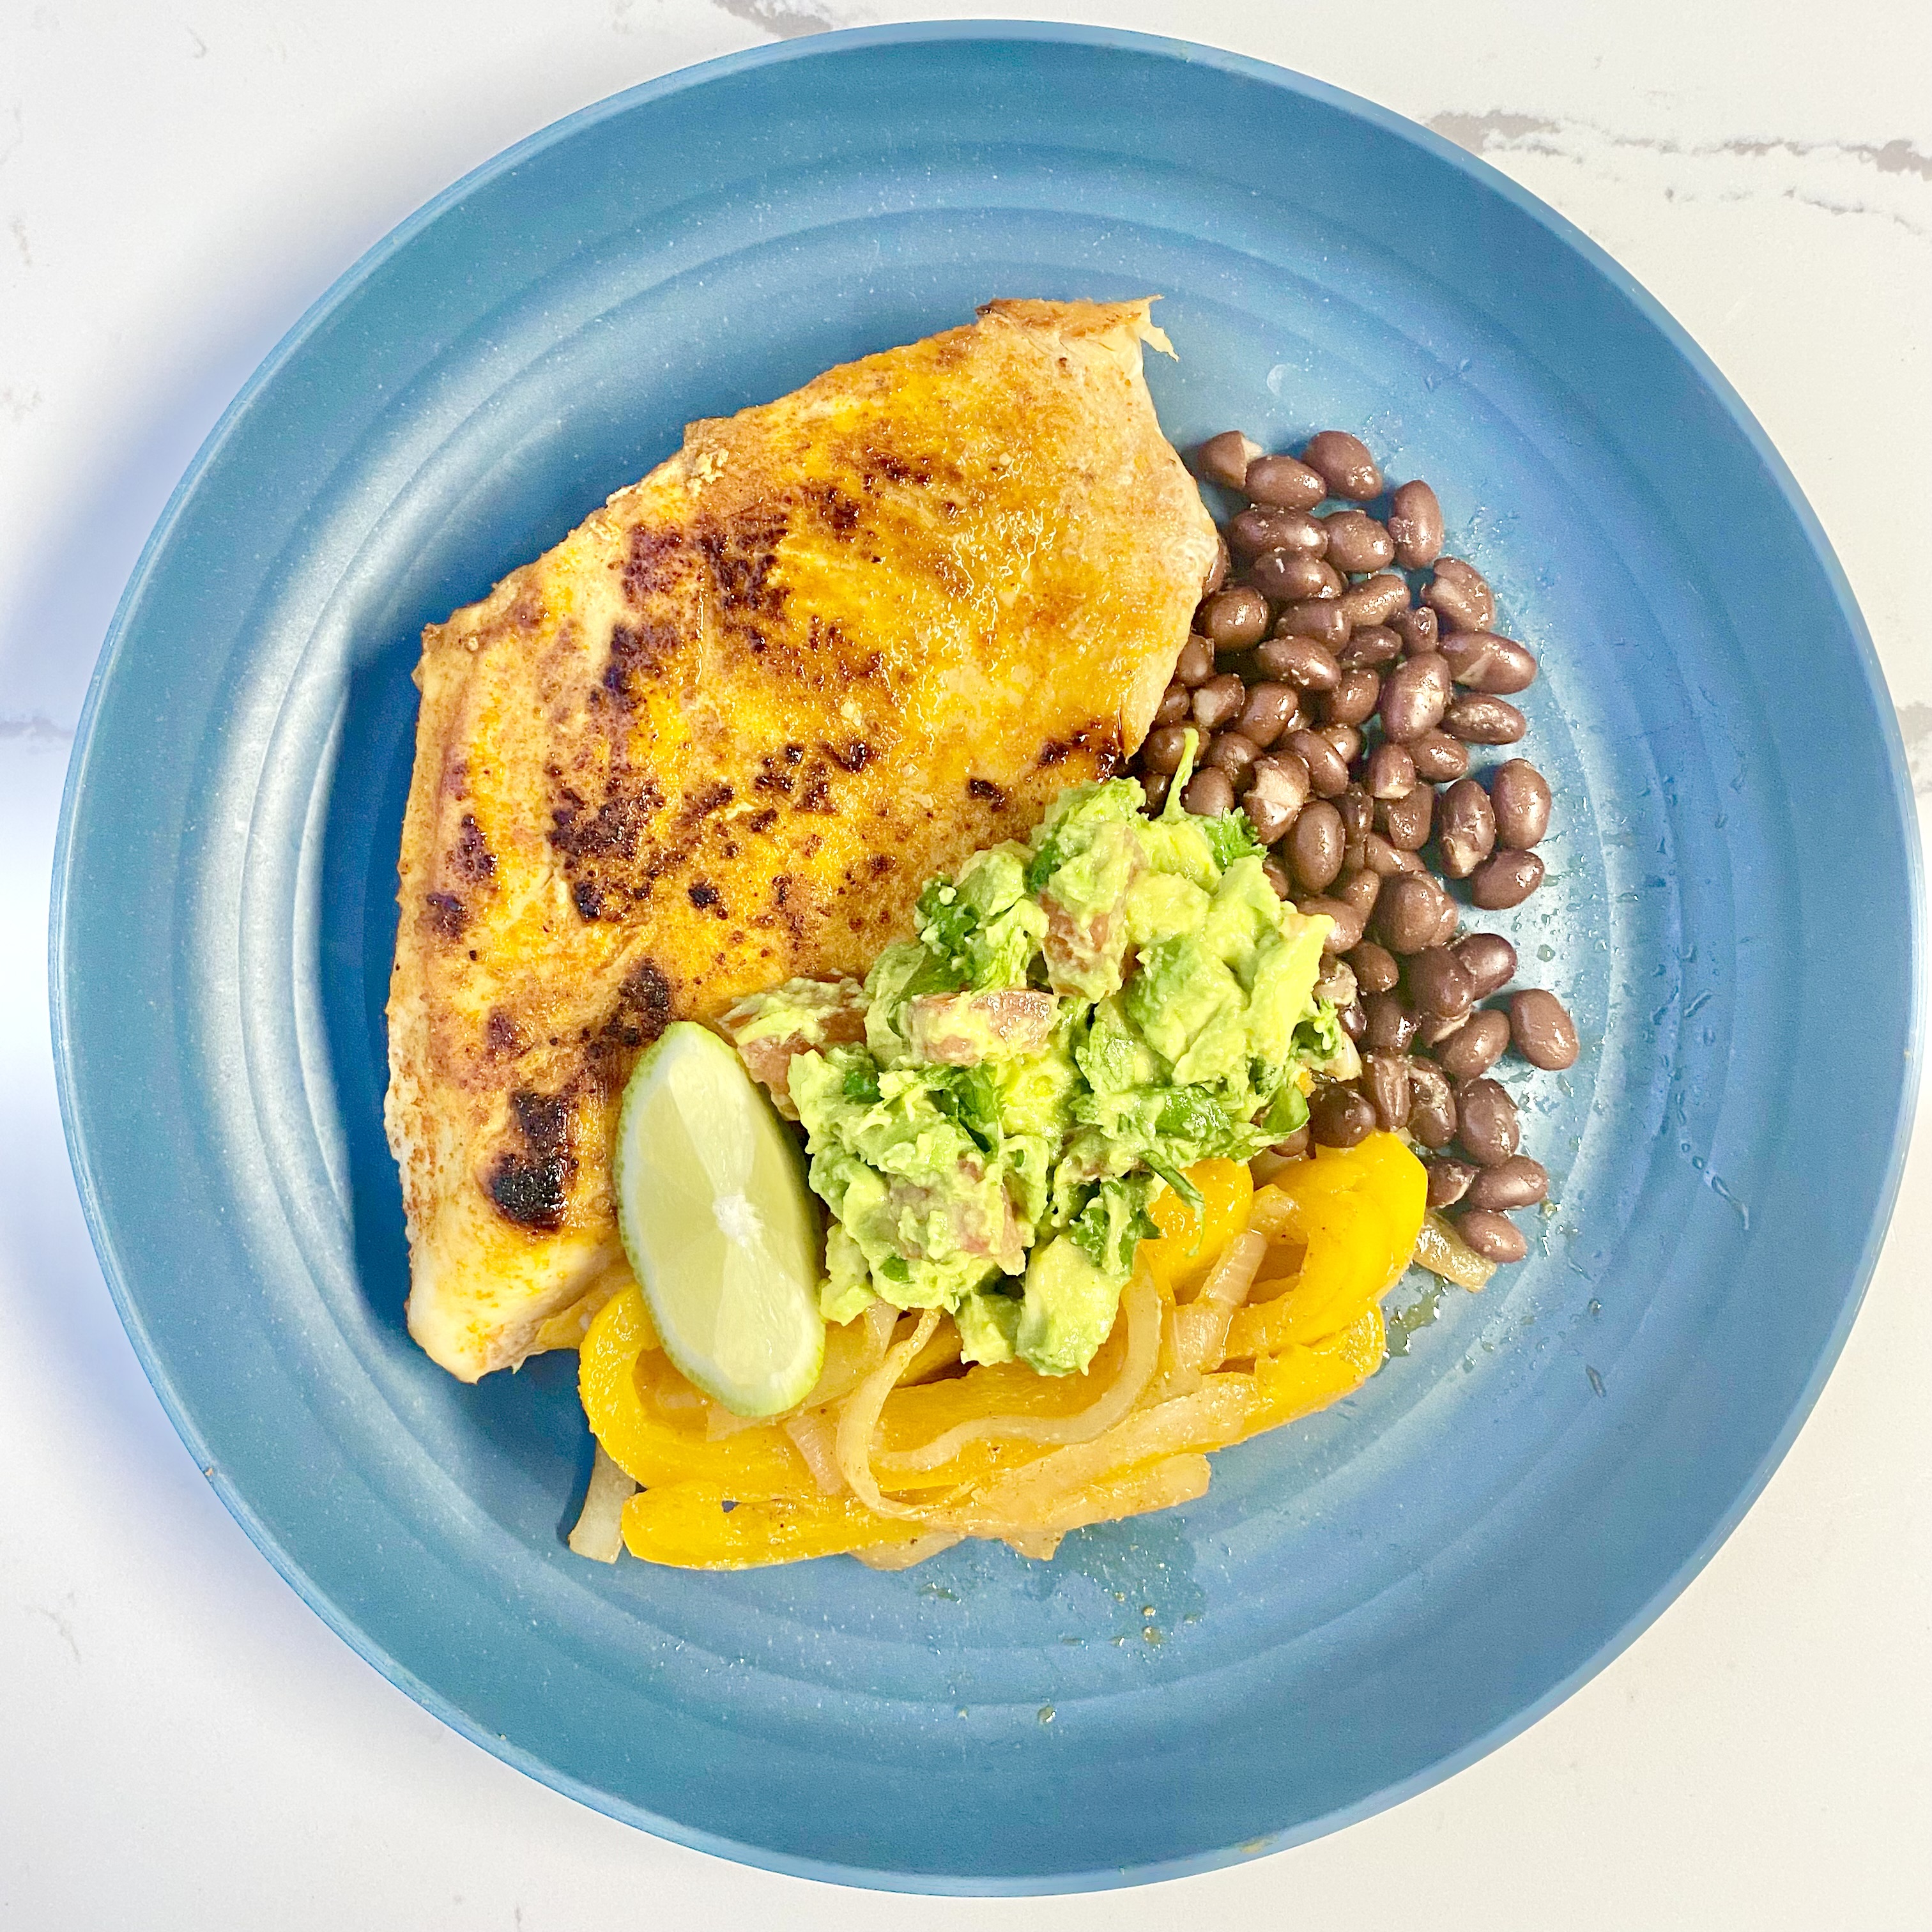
column 718, row 1224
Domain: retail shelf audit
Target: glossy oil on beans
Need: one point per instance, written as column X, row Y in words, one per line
column 1283, row 482
column 1484, row 662
column 1343, row 463
column 1493, row 1236
column 1465, row 828
column 1486, row 1121
column 1519, row 794
column 1518, row 1182
column 1542, row 1030
column 1225, row 459
column 1329, row 712
column 1472, row 1050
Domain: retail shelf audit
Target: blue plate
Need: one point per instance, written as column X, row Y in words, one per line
column 1361, row 1603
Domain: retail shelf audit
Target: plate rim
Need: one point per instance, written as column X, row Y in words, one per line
column 831, row 45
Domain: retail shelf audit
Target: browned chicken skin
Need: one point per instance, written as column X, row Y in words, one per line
column 719, row 736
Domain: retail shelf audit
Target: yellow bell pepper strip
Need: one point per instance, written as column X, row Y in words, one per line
column 919, row 1414
column 1300, row 1380
column 643, row 1442
column 1359, row 1210
column 1190, row 1244
column 688, row 1526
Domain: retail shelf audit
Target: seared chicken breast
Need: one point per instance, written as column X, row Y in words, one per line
column 720, row 735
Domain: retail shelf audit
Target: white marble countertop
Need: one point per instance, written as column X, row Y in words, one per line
column 183, row 1743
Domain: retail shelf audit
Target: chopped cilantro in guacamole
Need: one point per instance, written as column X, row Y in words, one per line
column 1078, row 1020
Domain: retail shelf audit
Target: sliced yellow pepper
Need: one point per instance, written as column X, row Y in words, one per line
column 614, row 1379
column 687, row 1526
column 1300, row 1380
column 1190, row 1244
column 1358, row 1210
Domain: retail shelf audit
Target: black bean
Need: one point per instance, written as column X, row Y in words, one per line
column 1357, row 810
column 1280, row 781
column 1217, row 571
column 1304, row 662
column 1294, row 1145
column 1289, row 576
column 1518, row 1182
column 1343, row 463
column 1195, row 663
column 1433, row 1030
column 1327, row 771
column 1155, row 785
column 1357, row 542
column 1520, row 794
column 1405, row 821
column 1271, row 708
column 1391, row 1024
column 1321, row 618
column 1314, row 847
column 1370, row 604
column 1380, row 855
column 1374, row 967
column 1486, row 1121
column 1415, row 522
column 1459, row 595
column 1259, row 528
column 1209, row 793
column 1269, row 815
column 1164, row 747
column 1385, row 1083
column 1228, row 752
column 1414, row 697
column 1351, row 1019
column 1449, row 1180
column 1484, row 720
column 1277, row 878
column 1432, row 1106
column 1370, row 647
column 1409, row 912
column 1346, row 739
column 1418, row 628
column 1488, row 959
column 1231, row 620
column 1224, row 459
column 1338, row 1117
column 1472, row 1050
column 1282, row 481
column 1359, row 887
column 1465, row 828
column 1438, row 757
column 1219, row 701
column 1353, row 699
column 1483, row 661
column 1506, row 880
column 1391, row 772
column 1541, row 1029
column 1177, row 702
column 1336, row 982
column 1344, row 933
column 1493, row 1236
column 1437, row 985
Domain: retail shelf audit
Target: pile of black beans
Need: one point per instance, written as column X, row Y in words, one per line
column 1342, row 676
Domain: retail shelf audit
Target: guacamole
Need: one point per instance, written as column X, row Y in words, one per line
column 1079, row 1019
